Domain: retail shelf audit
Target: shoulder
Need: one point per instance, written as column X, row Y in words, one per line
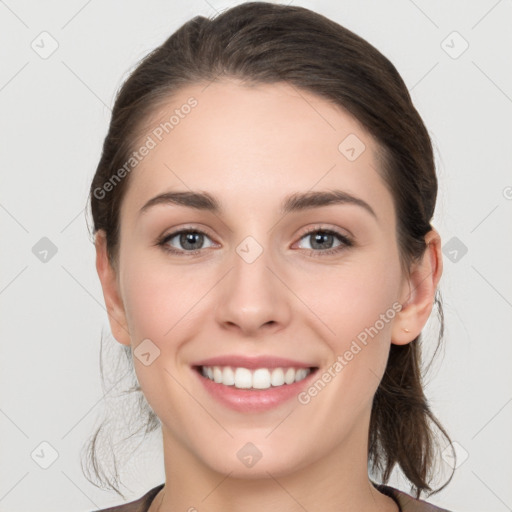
column 406, row 502
column 140, row 505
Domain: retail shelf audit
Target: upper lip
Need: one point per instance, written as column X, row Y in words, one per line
column 253, row 362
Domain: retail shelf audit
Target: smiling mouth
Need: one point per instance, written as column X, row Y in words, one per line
column 254, row 379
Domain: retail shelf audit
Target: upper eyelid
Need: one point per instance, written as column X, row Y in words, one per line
column 328, row 229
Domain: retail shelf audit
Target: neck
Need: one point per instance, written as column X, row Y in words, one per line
column 335, row 481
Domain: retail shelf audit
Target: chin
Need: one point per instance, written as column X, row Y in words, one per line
column 251, row 463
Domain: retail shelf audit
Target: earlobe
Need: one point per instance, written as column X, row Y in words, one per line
column 111, row 294
column 419, row 292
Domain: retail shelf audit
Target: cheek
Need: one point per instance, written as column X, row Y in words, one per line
column 358, row 304
column 158, row 297
column 159, row 304
column 357, row 307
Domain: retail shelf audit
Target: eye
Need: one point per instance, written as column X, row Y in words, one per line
column 190, row 240
column 321, row 241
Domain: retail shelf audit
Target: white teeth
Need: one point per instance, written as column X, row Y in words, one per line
column 277, row 378
column 301, row 373
column 289, row 376
column 261, row 378
column 217, row 374
column 243, row 378
column 228, row 376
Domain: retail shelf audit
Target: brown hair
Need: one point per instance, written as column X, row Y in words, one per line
column 259, row 42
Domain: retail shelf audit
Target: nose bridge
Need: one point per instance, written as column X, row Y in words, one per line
column 253, row 249
column 251, row 276
column 250, row 250
column 251, row 296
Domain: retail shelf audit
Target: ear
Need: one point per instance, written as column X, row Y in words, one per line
column 110, row 286
column 418, row 292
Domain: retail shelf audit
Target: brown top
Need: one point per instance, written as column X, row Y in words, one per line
column 405, row 502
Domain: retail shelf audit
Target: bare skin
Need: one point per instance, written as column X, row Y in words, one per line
column 250, row 147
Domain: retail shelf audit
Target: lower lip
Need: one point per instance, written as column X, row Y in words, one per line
column 246, row 400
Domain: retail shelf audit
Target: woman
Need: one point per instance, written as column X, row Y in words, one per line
column 262, row 213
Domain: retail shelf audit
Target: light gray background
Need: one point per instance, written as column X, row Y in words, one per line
column 54, row 115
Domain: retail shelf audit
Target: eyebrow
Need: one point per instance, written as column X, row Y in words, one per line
column 298, row 201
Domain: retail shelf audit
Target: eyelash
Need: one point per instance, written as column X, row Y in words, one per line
column 346, row 241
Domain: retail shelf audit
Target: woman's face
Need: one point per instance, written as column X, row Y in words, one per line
column 250, row 281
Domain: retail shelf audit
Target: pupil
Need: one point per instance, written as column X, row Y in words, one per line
column 318, row 238
column 190, row 238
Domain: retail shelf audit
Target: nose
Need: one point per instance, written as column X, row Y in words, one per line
column 253, row 298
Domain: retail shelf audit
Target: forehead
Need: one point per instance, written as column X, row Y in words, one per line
column 252, row 143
